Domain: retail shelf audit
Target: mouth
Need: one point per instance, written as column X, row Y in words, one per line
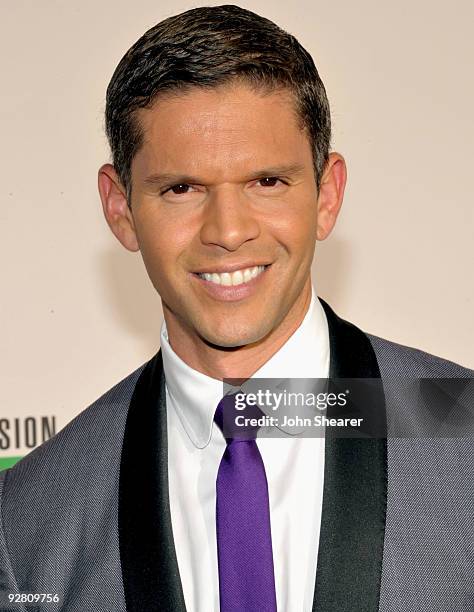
column 232, row 285
column 236, row 278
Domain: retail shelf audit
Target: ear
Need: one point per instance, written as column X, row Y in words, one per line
column 331, row 193
column 115, row 206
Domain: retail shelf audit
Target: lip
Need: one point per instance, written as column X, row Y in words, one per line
column 220, row 269
column 232, row 293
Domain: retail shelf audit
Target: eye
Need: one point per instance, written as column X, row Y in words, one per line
column 178, row 189
column 269, row 181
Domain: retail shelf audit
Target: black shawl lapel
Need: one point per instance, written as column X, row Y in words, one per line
column 148, row 558
column 355, row 491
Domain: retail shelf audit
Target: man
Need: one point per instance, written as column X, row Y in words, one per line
column 222, row 177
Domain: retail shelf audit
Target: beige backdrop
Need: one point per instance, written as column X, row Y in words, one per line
column 78, row 312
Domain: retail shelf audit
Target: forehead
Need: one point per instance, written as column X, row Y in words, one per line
column 215, row 130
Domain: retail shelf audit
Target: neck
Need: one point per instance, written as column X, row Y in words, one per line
column 241, row 362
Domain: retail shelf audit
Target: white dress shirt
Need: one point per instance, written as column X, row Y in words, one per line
column 294, row 469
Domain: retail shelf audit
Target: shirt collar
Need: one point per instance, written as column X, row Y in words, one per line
column 195, row 396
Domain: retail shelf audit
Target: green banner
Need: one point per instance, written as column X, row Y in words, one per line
column 7, row 462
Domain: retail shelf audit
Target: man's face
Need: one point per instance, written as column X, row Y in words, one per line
column 224, row 186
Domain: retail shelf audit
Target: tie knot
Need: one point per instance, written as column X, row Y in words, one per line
column 236, row 419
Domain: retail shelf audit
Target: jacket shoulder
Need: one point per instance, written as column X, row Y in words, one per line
column 60, row 500
column 88, row 444
column 400, row 360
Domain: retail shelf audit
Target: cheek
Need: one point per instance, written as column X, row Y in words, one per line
column 162, row 247
column 163, row 228
column 296, row 229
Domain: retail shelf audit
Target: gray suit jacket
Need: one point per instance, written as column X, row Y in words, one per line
column 86, row 515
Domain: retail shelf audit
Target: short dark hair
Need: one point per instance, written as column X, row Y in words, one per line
column 206, row 47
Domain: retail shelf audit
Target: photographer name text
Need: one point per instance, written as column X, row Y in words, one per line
column 296, row 421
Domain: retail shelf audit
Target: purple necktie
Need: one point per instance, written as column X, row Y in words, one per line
column 244, row 541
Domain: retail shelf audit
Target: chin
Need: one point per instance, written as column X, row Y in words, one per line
column 233, row 336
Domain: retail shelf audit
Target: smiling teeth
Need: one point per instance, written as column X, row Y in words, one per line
column 234, row 278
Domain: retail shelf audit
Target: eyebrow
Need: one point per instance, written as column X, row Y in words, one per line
column 160, row 180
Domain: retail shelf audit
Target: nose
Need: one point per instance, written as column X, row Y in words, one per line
column 228, row 219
